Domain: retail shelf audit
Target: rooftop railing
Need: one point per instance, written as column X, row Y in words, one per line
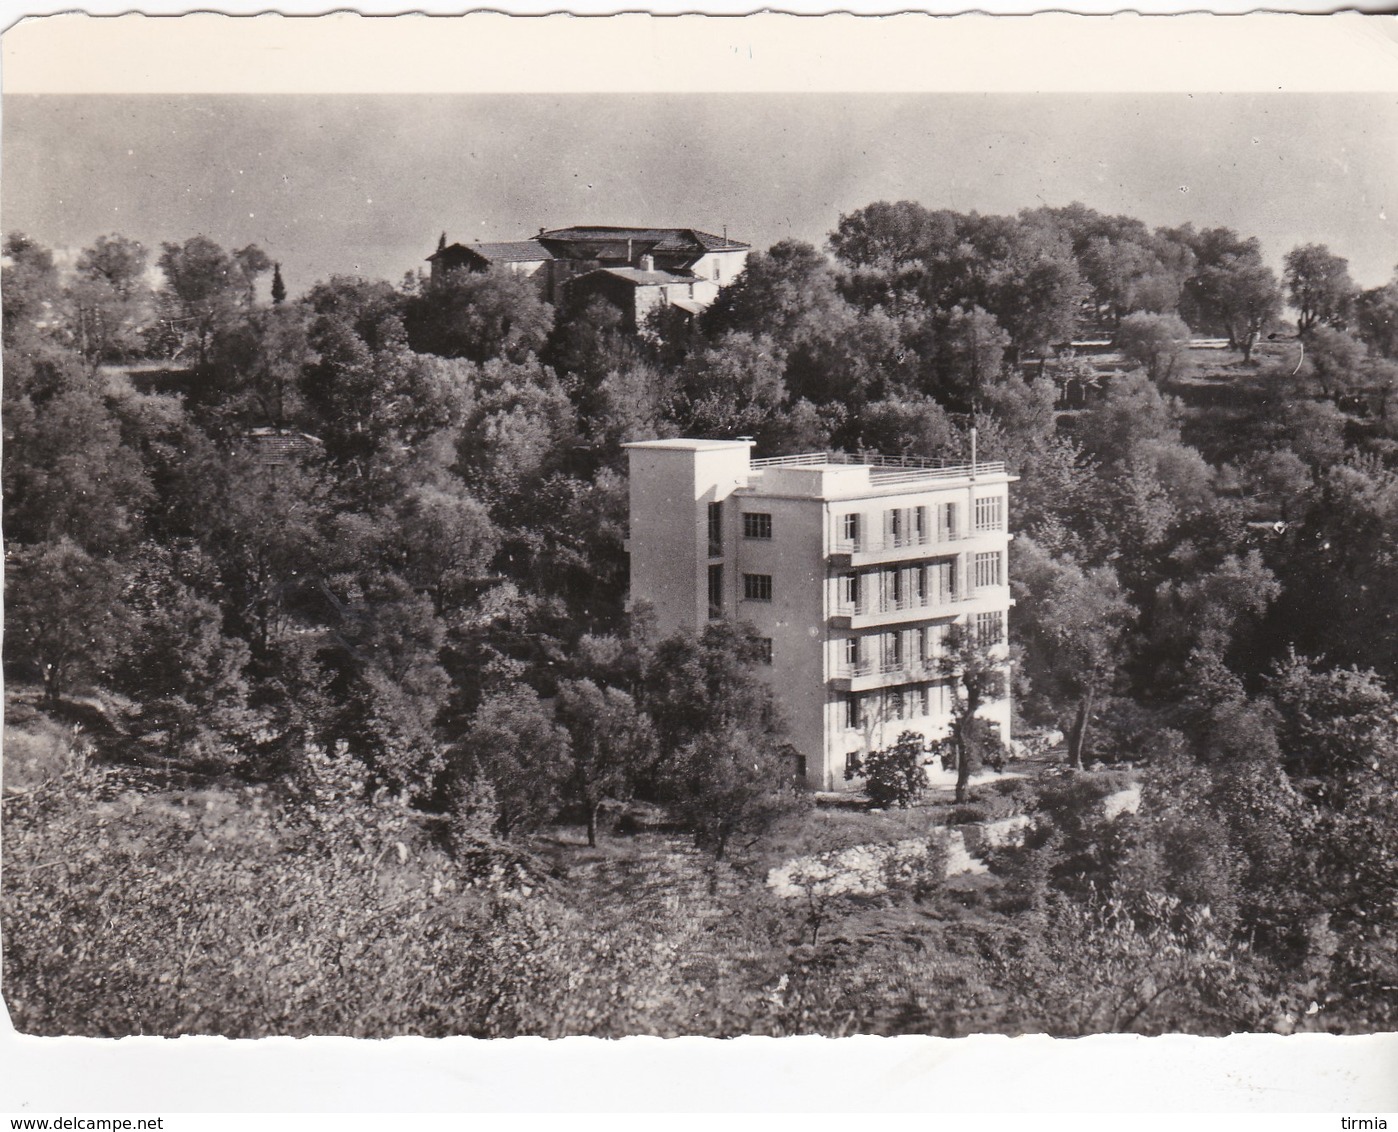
column 886, row 469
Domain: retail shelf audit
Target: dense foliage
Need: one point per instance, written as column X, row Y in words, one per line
column 333, row 590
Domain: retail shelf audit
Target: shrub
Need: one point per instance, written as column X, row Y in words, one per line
column 896, row 775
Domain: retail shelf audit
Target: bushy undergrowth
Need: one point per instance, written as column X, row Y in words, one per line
column 309, row 908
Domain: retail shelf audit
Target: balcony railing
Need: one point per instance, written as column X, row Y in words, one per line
column 915, row 667
column 870, row 544
column 910, row 601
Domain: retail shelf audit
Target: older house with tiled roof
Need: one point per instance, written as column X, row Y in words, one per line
column 525, row 257
column 636, row 269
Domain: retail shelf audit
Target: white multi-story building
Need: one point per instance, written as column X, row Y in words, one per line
column 848, row 569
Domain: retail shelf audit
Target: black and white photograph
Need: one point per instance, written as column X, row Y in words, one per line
column 499, row 560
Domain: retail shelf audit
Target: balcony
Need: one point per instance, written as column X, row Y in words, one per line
column 866, row 675
column 875, row 550
column 912, row 608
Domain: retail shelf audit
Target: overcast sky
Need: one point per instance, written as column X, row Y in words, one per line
column 364, row 184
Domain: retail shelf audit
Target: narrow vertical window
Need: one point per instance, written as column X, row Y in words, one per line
column 851, row 711
column 849, row 530
column 849, row 592
column 715, row 592
column 715, row 529
column 852, row 653
column 987, row 568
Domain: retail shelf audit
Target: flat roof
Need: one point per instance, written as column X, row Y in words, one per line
column 684, row 444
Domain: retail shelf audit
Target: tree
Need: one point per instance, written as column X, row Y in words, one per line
column 67, row 472
column 1319, row 286
column 976, row 678
column 480, row 315
column 591, row 341
column 444, row 540
column 1376, row 312
column 730, row 780
column 107, row 298
column 1202, row 621
column 63, row 612
column 184, row 674
column 1133, row 412
column 610, row 737
column 1072, row 624
column 209, row 286
column 971, row 348
column 896, row 775
column 704, row 682
column 30, row 283
column 1157, row 343
column 1231, row 290
column 1335, row 362
column 1335, row 722
column 513, row 743
column 278, row 287
column 395, row 685
column 732, row 387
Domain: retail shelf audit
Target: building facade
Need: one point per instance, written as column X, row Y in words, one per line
column 637, row 269
column 850, row 570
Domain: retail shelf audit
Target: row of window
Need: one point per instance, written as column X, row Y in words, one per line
column 903, row 587
column 913, row 525
column 902, row 525
column 921, row 645
column 909, row 701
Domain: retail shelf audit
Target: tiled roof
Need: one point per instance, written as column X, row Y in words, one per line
column 513, row 251
column 664, row 239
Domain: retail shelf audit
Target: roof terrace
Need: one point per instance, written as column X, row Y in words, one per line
column 886, row 470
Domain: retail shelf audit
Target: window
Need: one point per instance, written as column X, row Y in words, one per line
column 893, row 649
column 920, row 578
column 715, row 529
column 757, row 587
column 895, row 580
column 990, row 513
column 949, row 521
column 852, row 651
column 851, row 711
column 897, row 704
column 715, row 592
column 895, row 525
column 988, row 569
column 849, row 591
column 920, row 523
column 990, row 628
column 764, row 649
column 924, row 700
column 849, row 529
column 757, row 525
